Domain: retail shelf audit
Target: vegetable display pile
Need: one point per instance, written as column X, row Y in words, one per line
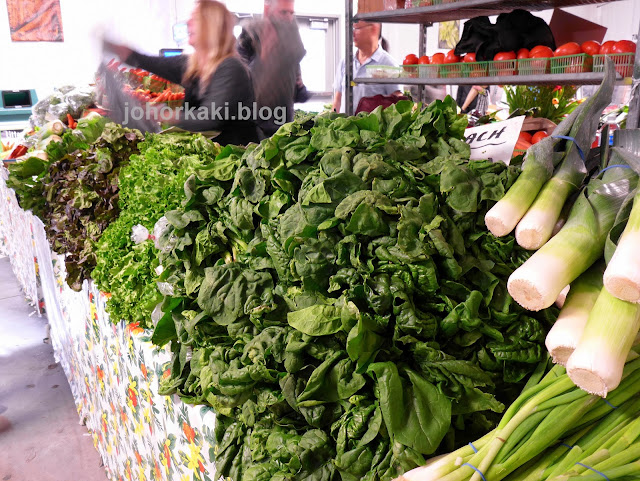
column 64, row 100
column 26, row 176
column 151, row 184
column 336, row 300
column 554, row 432
column 81, row 193
column 601, row 319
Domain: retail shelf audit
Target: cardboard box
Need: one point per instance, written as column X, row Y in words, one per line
column 366, row 6
column 393, row 4
column 535, row 124
column 567, row 27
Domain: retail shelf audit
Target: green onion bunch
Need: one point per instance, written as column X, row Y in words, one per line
column 554, row 432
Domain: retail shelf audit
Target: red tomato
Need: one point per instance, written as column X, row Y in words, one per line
column 470, row 57
column 624, row 46
column 424, row 60
column 607, row 47
column 451, row 57
column 410, row 59
column 525, row 136
column 505, row 56
column 508, row 63
column 437, row 58
column 571, row 48
column 522, row 53
column 591, row 47
column 538, row 136
column 541, row 52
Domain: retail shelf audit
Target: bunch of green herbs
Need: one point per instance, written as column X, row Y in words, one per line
column 152, row 184
column 542, row 101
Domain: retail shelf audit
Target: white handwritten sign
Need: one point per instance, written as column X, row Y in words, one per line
column 494, row 141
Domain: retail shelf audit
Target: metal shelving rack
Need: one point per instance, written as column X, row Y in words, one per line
column 426, row 16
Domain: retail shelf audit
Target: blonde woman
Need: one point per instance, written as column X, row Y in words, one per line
column 219, row 93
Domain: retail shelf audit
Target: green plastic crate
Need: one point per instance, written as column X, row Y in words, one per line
column 451, row 70
column 623, row 62
column 475, row 69
column 410, row 71
column 572, row 64
column 501, row 68
column 534, row 66
column 383, row 71
column 429, row 71
column 424, row 3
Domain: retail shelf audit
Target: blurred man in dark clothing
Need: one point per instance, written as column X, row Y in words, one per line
column 273, row 49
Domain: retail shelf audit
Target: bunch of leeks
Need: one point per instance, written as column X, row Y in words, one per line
column 601, row 316
column 553, row 169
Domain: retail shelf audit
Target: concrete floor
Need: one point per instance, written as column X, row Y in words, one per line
column 40, row 435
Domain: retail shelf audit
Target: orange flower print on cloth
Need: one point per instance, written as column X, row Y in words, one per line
column 127, row 472
column 132, row 395
column 104, row 423
column 123, row 417
column 167, row 455
column 156, row 471
column 100, row 376
column 189, row 432
column 134, row 328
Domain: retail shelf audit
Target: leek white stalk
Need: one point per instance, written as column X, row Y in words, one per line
column 565, row 334
column 539, row 166
column 562, row 297
column 537, row 226
column 537, row 283
column 597, row 364
column 622, row 277
column 503, row 217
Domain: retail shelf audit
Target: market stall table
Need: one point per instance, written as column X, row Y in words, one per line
column 113, row 370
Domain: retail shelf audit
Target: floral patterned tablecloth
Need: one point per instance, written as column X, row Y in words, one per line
column 113, row 370
column 17, row 241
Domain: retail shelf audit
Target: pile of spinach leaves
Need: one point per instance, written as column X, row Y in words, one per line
column 150, row 185
column 80, row 190
column 338, row 301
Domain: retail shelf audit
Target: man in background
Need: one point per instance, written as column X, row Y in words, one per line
column 367, row 38
column 273, row 49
